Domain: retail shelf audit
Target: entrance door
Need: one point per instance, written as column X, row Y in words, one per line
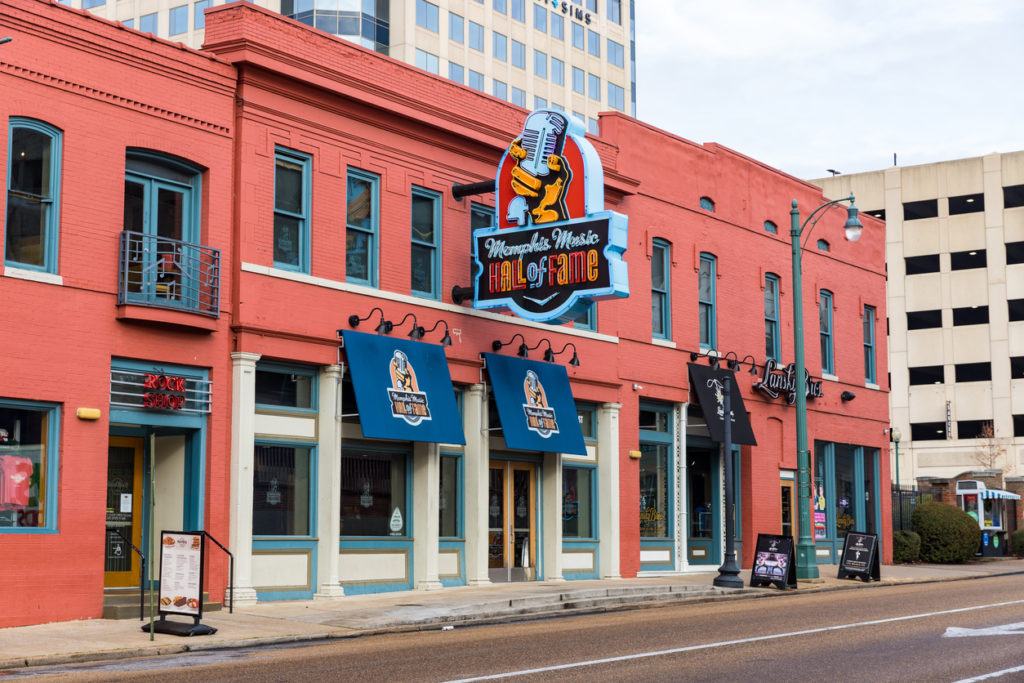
column 124, row 512
column 789, row 527
column 704, row 538
column 512, row 545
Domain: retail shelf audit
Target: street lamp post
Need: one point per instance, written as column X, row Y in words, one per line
column 806, row 562
column 896, row 434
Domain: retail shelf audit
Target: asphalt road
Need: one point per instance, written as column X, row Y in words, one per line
column 918, row 632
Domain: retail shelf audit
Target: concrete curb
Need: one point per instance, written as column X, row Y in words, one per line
column 519, row 609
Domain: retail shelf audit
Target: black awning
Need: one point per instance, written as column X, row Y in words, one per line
column 708, row 383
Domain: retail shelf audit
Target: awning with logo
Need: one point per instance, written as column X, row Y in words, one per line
column 403, row 389
column 535, row 405
column 998, row 493
column 708, row 382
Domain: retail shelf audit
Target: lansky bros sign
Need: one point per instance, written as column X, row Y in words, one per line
column 777, row 381
column 555, row 249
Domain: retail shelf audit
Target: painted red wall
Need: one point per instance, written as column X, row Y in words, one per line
column 107, row 89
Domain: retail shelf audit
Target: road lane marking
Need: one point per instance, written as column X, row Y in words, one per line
column 724, row 643
column 1004, row 630
column 994, row 674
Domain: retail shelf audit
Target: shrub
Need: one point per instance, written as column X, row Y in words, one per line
column 948, row 534
column 906, row 546
column 1017, row 543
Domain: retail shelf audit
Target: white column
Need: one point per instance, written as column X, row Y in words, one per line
column 243, row 415
column 328, row 499
column 477, row 455
column 608, row 488
column 426, row 482
column 551, row 524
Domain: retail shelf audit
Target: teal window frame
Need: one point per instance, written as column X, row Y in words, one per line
column 587, row 321
column 50, row 228
column 460, row 497
column 769, row 226
column 869, row 345
column 431, row 247
column 706, row 302
column 51, row 506
column 304, row 162
column 371, row 233
column 408, row 503
column 312, row 493
column 663, row 438
column 661, row 317
column 481, row 216
column 292, row 370
column 588, row 410
column 593, row 502
column 772, row 342
column 825, row 320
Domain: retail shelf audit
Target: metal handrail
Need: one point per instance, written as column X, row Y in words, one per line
column 142, row 573
column 167, row 273
column 231, row 571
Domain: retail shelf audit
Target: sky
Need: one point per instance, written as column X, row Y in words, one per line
column 811, row 85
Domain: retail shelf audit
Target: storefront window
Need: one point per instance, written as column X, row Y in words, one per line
column 448, row 502
column 845, row 510
column 284, row 387
column 28, row 455
column 281, row 491
column 654, row 490
column 821, row 506
column 373, row 493
column 577, row 510
column 702, row 510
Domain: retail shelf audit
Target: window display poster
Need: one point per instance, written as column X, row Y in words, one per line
column 181, row 573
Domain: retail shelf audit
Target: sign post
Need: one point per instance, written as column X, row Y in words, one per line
column 860, row 557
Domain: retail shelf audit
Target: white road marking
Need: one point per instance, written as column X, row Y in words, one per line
column 739, row 641
column 994, row 674
column 1004, row 630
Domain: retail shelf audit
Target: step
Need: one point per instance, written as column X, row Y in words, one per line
column 124, row 604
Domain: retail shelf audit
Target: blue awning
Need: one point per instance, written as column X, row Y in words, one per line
column 403, row 389
column 535, row 405
column 998, row 493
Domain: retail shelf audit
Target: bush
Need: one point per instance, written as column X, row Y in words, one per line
column 906, row 546
column 948, row 534
column 1017, row 543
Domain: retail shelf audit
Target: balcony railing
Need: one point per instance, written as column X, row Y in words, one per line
column 168, row 273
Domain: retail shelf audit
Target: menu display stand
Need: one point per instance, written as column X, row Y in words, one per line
column 860, row 557
column 182, row 555
column 774, row 562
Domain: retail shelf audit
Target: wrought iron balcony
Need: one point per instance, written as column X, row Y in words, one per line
column 168, row 273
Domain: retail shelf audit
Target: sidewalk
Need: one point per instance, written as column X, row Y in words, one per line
column 310, row 620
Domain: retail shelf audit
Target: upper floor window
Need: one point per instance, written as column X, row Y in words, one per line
column 456, row 27
column 557, row 71
column 540, row 18
column 456, row 72
column 291, row 210
column 823, row 245
column 519, row 10
column 540, row 64
column 968, row 203
column 518, row 54
column 578, row 81
column 869, row 344
column 33, row 195
column 661, row 322
column 918, row 265
column 616, row 97
column 476, row 36
column 707, row 204
column 771, row 317
column 965, row 260
column 199, row 14
column 1013, row 196
column 594, row 87
column 614, row 11
column 29, row 466
column 148, row 23
column 286, row 386
column 615, row 53
column 177, row 20
column 500, row 6
column 706, row 302
column 426, row 241
column 578, row 35
column 500, row 46
column 587, row 321
column 476, row 80
column 594, row 43
column 771, row 227
column 557, row 26
column 427, row 61
column 925, row 208
column 480, row 216
column 825, row 325
column 361, row 224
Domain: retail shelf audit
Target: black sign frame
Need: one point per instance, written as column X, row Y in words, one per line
column 774, row 550
column 851, row 566
column 707, row 382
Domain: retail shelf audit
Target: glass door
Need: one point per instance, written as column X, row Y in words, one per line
column 124, row 512
column 704, row 539
column 512, row 547
column 789, row 527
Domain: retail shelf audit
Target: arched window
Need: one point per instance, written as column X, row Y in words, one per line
column 824, row 245
column 771, row 227
column 32, row 226
column 707, row 204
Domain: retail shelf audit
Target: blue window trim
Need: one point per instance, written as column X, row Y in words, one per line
column 665, row 438
column 484, row 211
column 591, row 409
column 594, row 502
column 190, row 230
column 435, row 246
column 826, row 330
column 663, row 249
column 285, row 369
column 52, row 229
column 588, row 321
column 306, row 162
column 52, row 505
column 771, row 318
column 460, row 496
column 712, row 341
column 408, row 517
column 373, row 233
column 313, row 487
column 869, row 345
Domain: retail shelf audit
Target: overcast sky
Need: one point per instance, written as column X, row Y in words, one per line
column 811, row 85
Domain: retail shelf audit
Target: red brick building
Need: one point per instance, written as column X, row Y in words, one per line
column 324, row 174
